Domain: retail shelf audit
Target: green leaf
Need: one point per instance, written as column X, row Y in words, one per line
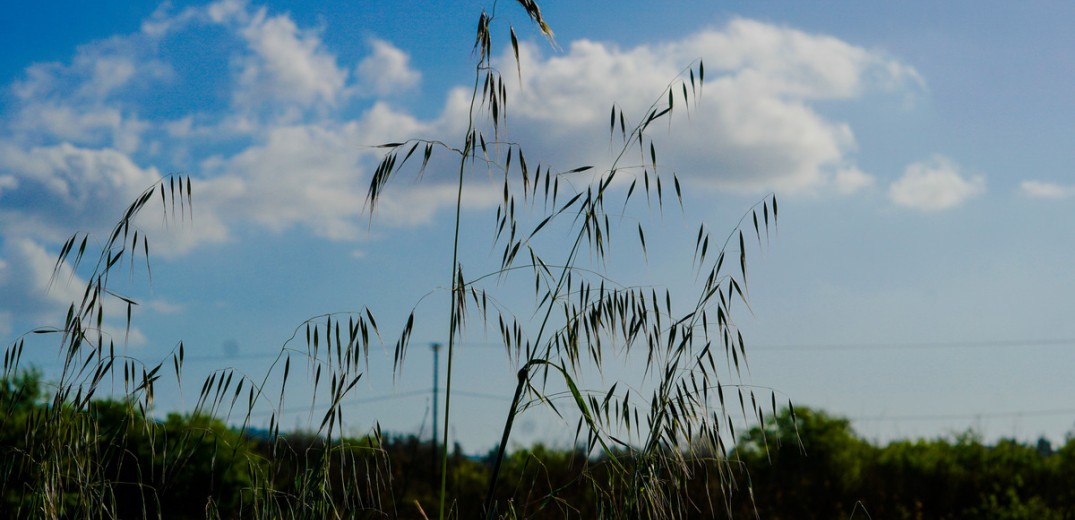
column 742, row 254
column 515, row 50
column 642, row 238
column 541, row 225
column 425, row 158
column 410, row 152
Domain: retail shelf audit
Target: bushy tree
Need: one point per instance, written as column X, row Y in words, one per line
column 803, row 463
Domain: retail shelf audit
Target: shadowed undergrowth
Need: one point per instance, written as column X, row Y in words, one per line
column 809, row 466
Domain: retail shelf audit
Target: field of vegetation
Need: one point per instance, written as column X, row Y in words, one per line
column 812, row 466
column 660, row 446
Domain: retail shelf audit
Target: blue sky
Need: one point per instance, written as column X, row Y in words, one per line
column 920, row 281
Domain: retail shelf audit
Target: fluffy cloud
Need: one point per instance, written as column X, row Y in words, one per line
column 76, row 144
column 301, row 175
column 935, row 185
column 1046, row 190
column 83, row 102
column 63, row 184
column 286, row 64
column 8, row 182
column 99, row 70
column 386, row 71
column 71, row 147
column 82, row 125
column 852, row 180
column 26, row 277
column 27, row 271
column 317, row 176
column 754, row 128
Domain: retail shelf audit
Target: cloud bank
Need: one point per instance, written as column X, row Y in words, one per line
column 754, row 129
column 265, row 122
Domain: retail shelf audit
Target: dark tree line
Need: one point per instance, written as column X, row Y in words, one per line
column 802, row 466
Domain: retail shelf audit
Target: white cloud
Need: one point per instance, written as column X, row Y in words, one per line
column 8, row 182
column 84, row 102
column 287, row 64
column 302, row 174
column 26, row 277
column 852, row 180
column 386, row 71
column 787, row 62
column 419, row 204
column 935, row 185
column 162, row 306
column 26, row 274
column 75, row 154
column 98, row 70
column 317, row 177
column 81, row 125
column 162, row 21
column 64, row 188
column 73, row 146
column 754, row 128
column 1046, row 190
column 225, row 10
column 108, row 73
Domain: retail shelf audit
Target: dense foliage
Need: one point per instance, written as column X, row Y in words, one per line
column 806, row 465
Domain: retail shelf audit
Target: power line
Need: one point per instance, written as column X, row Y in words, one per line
column 362, row 400
column 1009, row 343
column 382, row 397
column 917, row 345
column 786, row 347
column 965, row 416
column 480, row 395
column 908, row 417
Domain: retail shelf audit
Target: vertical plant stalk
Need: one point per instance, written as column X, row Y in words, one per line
column 524, row 378
column 560, row 280
column 673, row 400
column 456, row 288
column 490, row 511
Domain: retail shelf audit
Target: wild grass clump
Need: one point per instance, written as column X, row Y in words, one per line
column 640, row 438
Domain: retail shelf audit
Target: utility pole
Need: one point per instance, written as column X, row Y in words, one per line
column 436, row 372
